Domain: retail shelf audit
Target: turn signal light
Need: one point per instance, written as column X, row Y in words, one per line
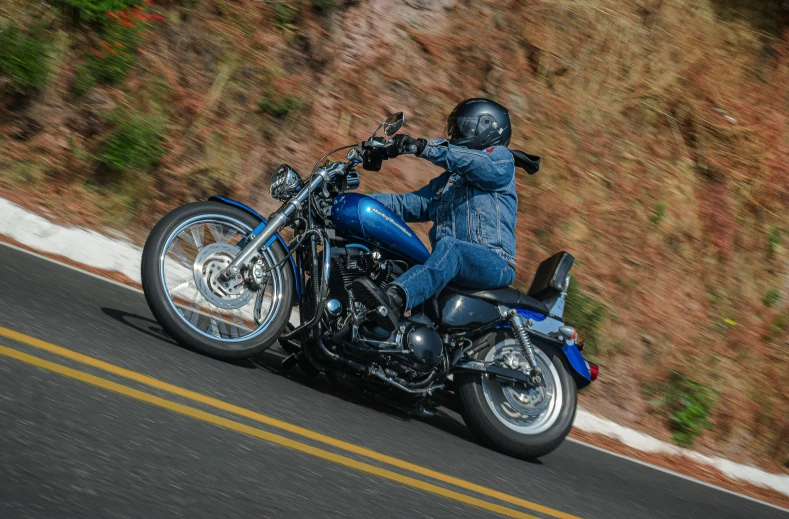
column 594, row 370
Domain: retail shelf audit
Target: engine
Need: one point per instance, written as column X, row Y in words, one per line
column 417, row 339
column 351, row 262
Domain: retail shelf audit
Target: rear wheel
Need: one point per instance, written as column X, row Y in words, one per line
column 181, row 262
column 521, row 422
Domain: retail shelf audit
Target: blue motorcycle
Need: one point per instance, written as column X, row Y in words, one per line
column 221, row 280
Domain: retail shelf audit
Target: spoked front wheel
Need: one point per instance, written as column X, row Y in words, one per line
column 181, row 263
column 516, row 420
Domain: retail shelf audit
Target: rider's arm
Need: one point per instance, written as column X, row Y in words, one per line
column 489, row 170
column 411, row 207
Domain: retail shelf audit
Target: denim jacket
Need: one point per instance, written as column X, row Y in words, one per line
column 474, row 200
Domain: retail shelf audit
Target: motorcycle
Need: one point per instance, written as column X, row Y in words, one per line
column 221, row 280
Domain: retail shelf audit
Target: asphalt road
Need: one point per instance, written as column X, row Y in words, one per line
column 82, row 440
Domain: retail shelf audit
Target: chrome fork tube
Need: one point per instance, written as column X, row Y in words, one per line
column 275, row 224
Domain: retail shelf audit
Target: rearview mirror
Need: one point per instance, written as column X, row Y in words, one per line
column 393, row 123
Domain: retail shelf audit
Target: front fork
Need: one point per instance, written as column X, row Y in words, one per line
column 278, row 220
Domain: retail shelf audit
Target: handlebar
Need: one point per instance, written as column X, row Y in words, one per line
column 375, row 151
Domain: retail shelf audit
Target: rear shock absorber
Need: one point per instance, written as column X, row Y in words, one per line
column 520, row 330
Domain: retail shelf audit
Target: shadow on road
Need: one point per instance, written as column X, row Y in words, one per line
column 271, row 361
column 151, row 328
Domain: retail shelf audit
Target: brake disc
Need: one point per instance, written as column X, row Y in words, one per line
column 209, row 263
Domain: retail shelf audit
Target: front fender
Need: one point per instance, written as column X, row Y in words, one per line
column 276, row 237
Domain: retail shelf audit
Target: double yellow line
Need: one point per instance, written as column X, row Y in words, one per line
column 272, row 422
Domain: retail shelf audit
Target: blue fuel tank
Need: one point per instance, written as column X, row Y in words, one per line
column 363, row 218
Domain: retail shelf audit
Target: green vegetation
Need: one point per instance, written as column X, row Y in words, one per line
column 24, row 59
column 117, row 52
column 586, row 314
column 323, row 4
column 285, row 15
column 134, row 144
column 688, row 405
column 779, row 324
column 773, row 239
column 279, row 105
column 95, row 9
column 771, row 297
column 658, row 214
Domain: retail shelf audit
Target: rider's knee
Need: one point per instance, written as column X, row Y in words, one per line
column 445, row 243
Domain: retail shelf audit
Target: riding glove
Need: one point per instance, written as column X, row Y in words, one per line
column 403, row 144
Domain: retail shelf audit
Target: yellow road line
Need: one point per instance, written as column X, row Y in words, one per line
column 258, row 433
column 285, row 426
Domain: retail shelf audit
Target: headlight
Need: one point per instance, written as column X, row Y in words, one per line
column 285, row 183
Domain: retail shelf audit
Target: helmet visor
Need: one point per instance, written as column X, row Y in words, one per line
column 461, row 128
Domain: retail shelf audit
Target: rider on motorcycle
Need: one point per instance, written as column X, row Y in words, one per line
column 473, row 207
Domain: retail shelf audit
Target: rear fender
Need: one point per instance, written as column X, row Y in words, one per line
column 580, row 369
column 543, row 325
column 276, row 237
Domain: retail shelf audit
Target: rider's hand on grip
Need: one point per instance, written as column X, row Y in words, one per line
column 403, row 144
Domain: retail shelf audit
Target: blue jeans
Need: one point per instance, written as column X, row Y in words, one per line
column 467, row 264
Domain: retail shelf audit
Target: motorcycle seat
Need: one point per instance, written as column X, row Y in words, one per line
column 508, row 296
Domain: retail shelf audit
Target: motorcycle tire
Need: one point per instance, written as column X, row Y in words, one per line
column 487, row 416
column 173, row 322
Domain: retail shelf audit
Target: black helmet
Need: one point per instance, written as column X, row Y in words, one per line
column 479, row 123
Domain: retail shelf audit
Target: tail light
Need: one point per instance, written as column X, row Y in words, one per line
column 594, row 370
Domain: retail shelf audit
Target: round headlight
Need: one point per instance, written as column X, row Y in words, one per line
column 285, row 183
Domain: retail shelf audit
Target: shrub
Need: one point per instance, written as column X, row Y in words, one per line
column 95, row 9
column 688, row 405
column 323, row 4
column 773, row 239
column 658, row 214
column 278, row 105
column 285, row 15
column 117, row 52
column 586, row 314
column 771, row 297
column 83, row 80
column 779, row 325
column 23, row 58
column 134, row 144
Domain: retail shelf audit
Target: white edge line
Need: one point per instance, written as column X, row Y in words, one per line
column 573, row 440
column 682, row 476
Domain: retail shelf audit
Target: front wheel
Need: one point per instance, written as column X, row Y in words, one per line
column 520, row 422
column 181, row 262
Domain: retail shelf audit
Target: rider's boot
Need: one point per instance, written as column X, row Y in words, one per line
column 387, row 306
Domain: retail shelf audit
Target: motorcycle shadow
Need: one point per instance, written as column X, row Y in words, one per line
column 151, row 328
column 445, row 419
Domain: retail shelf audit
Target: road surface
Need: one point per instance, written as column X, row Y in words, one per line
column 104, row 416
